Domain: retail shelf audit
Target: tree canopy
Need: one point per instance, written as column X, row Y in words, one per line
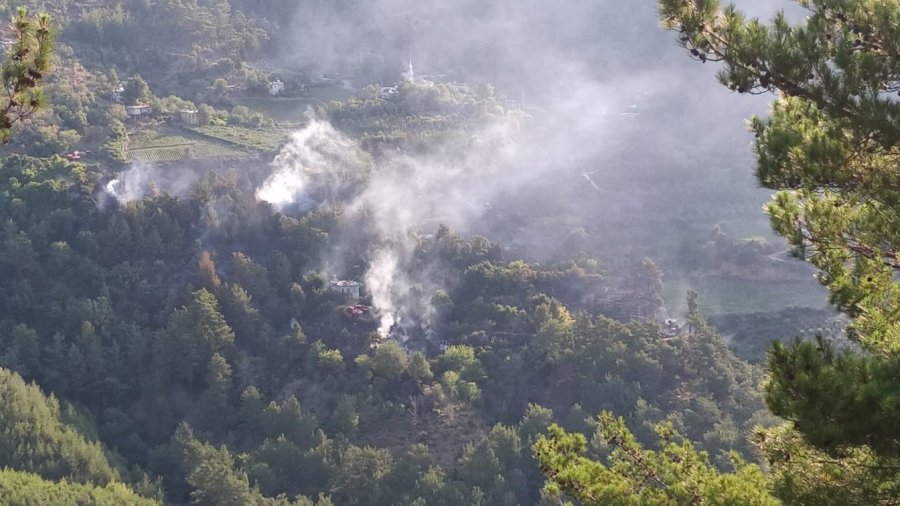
column 28, row 60
column 35, row 439
column 24, row 489
column 676, row 474
column 192, row 350
column 829, row 147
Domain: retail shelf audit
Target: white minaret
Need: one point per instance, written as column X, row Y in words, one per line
column 410, row 74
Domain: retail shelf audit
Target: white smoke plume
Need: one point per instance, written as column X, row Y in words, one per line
column 601, row 82
column 315, row 159
column 383, row 279
column 147, row 180
column 408, row 195
column 404, row 195
column 282, row 188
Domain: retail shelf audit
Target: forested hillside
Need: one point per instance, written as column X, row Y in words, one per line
column 235, row 271
column 311, row 407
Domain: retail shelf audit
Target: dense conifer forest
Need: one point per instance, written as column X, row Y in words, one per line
column 325, row 253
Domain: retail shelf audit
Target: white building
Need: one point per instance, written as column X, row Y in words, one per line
column 138, row 110
column 460, row 88
column 409, row 75
column 276, row 87
column 117, row 94
column 349, row 288
column 388, row 91
column 672, row 327
column 191, row 117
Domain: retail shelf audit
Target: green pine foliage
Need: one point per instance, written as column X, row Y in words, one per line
column 27, row 63
column 287, row 410
column 201, row 345
column 827, row 144
column 27, row 489
column 802, row 474
column 675, row 474
column 829, row 147
column 33, row 437
column 824, row 392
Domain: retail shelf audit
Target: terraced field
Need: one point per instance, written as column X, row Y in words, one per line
column 293, row 109
column 247, row 138
column 167, row 148
column 150, row 140
column 721, row 295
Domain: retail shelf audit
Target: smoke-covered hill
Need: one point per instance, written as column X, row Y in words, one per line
column 346, row 252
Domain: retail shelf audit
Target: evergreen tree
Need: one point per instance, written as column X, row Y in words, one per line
column 829, row 147
column 419, row 368
column 214, row 478
column 389, row 360
column 28, row 60
column 26, row 489
column 359, row 471
column 676, row 474
column 802, row 474
column 33, row 438
column 137, row 91
column 216, row 410
column 195, row 333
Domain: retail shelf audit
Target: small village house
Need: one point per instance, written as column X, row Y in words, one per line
column 138, row 110
column 276, row 87
column 190, row 116
column 118, row 94
column 346, row 287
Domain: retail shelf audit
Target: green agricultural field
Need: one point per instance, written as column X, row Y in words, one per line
column 146, row 140
column 247, row 138
column 722, row 295
column 750, row 334
column 290, row 110
column 293, row 109
column 167, row 148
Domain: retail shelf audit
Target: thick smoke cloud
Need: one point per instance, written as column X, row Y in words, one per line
column 582, row 70
column 569, row 61
column 146, row 179
column 521, row 44
column 310, row 162
column 405, row 195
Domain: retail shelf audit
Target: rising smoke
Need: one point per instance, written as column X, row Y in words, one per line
column 582, row 70
column 316, row 159
column 144, row 179
column 405, row 195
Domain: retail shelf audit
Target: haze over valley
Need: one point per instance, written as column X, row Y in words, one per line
column 392, row 252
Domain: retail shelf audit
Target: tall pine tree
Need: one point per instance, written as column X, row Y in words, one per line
column 830, row 149
column 676, row 474
column 28, row 60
